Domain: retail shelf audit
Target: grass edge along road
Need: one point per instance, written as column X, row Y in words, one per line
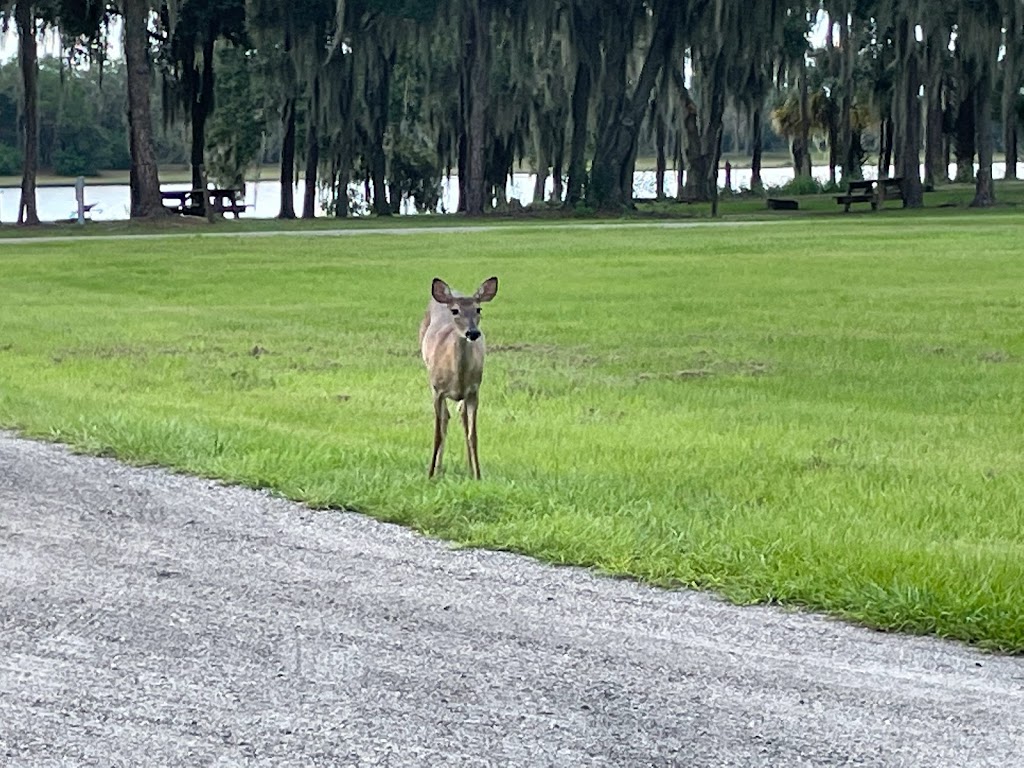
column 781, row 414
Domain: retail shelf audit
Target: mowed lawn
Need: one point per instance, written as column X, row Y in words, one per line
column 816, row 413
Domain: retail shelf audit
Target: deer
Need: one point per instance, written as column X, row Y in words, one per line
column 453, row 350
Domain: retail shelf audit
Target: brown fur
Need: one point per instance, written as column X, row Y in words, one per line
column 453, row 350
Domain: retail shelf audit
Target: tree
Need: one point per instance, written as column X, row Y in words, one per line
column 189, row 79
column 1013, row 75
column 621, row 107
column 235, row 130
column 144, row 177
column 980, row 26
column 584, row 48
column 937, row 31
column 792, row 117
column 475, row 95
column 907, row 110
column 24, row 16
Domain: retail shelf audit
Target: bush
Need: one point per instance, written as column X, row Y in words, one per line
column 10, row 160
column 802, row 185
column 71, row 162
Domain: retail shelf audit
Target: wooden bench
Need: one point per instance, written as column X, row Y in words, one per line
column 189, row 202
column 782, row 204
column 873, row 191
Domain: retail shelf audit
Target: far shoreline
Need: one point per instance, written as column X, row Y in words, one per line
column 181, row 174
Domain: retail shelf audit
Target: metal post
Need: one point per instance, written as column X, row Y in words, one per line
column 80, row 198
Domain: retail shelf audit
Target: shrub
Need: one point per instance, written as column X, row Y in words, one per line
column 802, row 185
column 72, row 162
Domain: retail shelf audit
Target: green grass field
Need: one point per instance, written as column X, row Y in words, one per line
column 822, row 413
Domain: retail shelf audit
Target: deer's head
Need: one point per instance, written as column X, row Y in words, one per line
column 465, row 309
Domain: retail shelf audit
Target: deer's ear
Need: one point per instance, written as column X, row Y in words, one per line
column 487, row 290
column 440, row 291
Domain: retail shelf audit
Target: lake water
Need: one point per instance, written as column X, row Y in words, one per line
column 263, row 197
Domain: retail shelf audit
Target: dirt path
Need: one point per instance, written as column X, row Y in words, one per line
column 153, row 619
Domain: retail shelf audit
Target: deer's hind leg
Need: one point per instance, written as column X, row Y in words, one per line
column 440, row 431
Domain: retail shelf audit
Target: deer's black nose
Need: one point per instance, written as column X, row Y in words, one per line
column 472, row 334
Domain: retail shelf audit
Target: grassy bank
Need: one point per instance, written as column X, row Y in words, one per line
column 828, row 417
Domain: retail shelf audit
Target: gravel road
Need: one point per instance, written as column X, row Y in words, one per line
column 150, row 619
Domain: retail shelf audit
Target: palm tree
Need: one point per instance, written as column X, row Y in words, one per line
column 792, row 118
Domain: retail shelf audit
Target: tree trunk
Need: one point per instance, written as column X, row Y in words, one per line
column 312, row 153
column 340, row 175
column 909, row 157
column 476, row 92
column 557, row 171
column 984, row 191
column 460, row 178
column 712, row 109
column 757, row 141
column 1009, row 99
column 198, row 125
column 935, row 170
column 849, row 159
column 24, row 15
column 578, row 142
column 885, row 133
column 541, row 158
column 380, row 89
column 378, row 180
column 833, row 153
column 802, row 142
column 611, row 172
column 1010, row 141
column 144, row 176
column 1014, row 49
column 312, row 162
column 287, row 159
column 680, row 163
column 963, row 138
column 201, row 107
column 661, row 161
column 702, row 125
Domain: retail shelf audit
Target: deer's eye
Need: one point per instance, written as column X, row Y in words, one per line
column 455, row 310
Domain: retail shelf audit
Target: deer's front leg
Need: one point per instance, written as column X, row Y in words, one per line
column 469, row 407
column 440, row 431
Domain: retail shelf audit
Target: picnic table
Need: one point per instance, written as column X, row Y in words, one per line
column 873, row 191
column 189, row 202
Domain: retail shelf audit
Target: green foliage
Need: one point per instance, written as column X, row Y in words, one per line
column 10, row 160
column 236, row 128
column 9, row 100
column 71, row 162
column 414, row 173
column 801, row 185
column 834, row 425
column 82, row 119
